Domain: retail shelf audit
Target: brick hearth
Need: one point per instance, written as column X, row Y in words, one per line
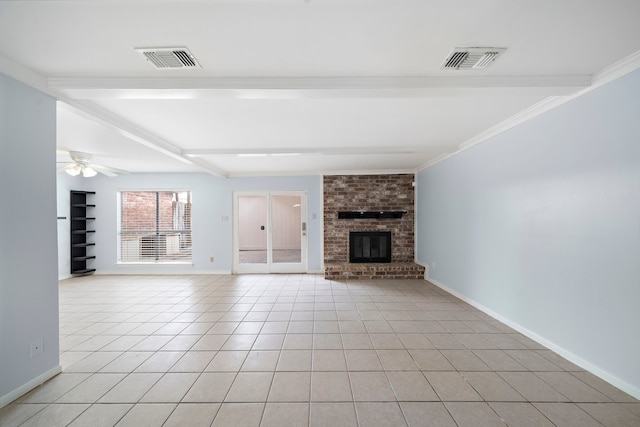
column 394, row 270
column 369, row 193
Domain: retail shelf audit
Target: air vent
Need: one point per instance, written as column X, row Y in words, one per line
column 468, row 58
column 169, row 57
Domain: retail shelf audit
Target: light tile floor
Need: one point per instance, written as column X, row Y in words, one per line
column 297, row 350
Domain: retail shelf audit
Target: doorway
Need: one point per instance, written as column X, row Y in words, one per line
column 270, row 232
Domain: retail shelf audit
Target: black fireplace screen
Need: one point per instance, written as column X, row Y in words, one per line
column 370, row 246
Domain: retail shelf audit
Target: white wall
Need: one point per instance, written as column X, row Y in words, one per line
column 212, row 201
column 541, row 226
column 28, row 263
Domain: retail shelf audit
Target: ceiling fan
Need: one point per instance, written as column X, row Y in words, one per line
column 82, row 165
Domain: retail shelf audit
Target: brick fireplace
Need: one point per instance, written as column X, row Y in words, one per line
column 372, row 203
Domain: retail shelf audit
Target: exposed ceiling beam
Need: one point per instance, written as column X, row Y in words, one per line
column 312, row 87
column 100, row 115
column 317, row 151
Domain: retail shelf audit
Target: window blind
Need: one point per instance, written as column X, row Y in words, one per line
column 154, row 226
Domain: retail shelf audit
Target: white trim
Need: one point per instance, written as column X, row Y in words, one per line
column 182, row 273
column 625, row 66
column 616, row 70
column 64, row 277
column 159, row 272
column 154, row 189
column 604, row 375
column 321, row 213
column 155, row 263
column 25, row 75
column 28, row 386
column 414, row 187
column 270, row 266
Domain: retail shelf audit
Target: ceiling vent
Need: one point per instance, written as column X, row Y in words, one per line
column 169, row 57
column 469, row 58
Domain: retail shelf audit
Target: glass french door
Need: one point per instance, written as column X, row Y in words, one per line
column 270, row 234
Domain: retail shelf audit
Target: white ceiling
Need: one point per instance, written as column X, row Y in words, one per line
column 304, row 86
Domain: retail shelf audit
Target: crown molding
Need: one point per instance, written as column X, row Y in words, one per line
column 616, row 70
column 25, row 75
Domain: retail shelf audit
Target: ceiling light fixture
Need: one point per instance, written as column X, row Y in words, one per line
column 82, row 165
column 73, row 170
column 88, row 172
column 76, row 169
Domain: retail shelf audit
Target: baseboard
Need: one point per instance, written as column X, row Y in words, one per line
column 25, row 388
column 174, row 272
column 602, row 374
column 64, row 277
column 160, row 272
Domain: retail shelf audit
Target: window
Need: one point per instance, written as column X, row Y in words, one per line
column 154, row 226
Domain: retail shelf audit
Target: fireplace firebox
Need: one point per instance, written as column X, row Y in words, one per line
column 369, row 246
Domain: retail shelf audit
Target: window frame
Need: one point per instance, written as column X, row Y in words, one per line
column 156, row 260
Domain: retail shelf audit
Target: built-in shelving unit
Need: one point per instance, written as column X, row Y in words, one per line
column 82, row 219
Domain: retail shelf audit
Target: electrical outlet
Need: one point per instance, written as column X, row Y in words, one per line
column 225, row 218
column 211, row 259
column 35, row 348
column 433, row 265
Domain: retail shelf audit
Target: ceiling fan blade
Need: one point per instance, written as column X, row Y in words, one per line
column 108, row 171
column 103, row 170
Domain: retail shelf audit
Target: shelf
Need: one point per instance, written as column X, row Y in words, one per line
column 81, row 203
column 83, row 258
column 82, row 245
column 85, row 271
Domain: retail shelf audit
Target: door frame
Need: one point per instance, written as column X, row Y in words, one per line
column 269, row 266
